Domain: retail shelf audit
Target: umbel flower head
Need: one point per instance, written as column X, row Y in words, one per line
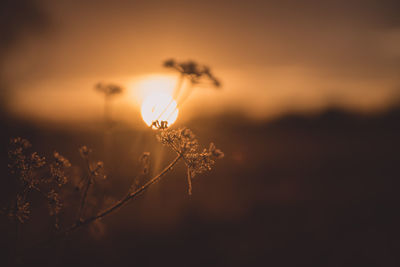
column 54, row 203
column 96, row 168
column 185, row 144
column 57, row 169
column 24, row 164
column 22, row 210
column 108, row 89
column 35, row 174
column 195, row 72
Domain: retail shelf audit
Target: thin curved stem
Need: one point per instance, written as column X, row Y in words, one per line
column 189, row 179
column 86, row 190
column 182, row 99
column 188, row 175
column 175, row 95
column 84, row 197
column 121, row 202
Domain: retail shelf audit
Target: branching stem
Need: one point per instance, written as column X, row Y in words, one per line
column 189, row 175
column 85, row 192
column 121, row 202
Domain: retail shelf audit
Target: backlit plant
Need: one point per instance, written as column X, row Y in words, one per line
column 49, row 176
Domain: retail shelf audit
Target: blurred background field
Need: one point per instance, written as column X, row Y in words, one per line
column 322, row 189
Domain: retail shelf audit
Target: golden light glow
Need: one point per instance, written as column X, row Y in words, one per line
column 141, row 87
column 159, row 106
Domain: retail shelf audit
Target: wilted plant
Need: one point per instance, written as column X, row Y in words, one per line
column 33, row 173
column 109, row 91
column 195, row 74
column 186, row 146
column 30, row 170
column 49, row 177
column 93, row 170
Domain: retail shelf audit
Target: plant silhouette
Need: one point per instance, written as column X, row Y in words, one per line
column 195, row 74
column 109, row 91
column 48, row 177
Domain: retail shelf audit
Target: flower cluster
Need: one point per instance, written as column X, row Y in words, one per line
column 185, row 144
column 182, row 140
column 23, row 164
column 143, row 175
column 108, row 89
column 200, row 162
column 84, row 151
column 160, row 125
column 57, row 169
column 195, row 72
column 22, row 209
column 54, row 205
column 54, row 202
column 35, row 174
column 95, row 168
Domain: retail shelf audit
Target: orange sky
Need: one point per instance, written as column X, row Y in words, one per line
column 272, row 56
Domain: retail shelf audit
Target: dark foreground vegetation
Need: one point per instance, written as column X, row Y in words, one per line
column 297, row 191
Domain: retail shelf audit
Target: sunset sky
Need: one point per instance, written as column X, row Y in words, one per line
column 272, row 57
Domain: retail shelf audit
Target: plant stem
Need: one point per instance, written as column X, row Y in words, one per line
column 189, row 175
column 182, row 99
column 175, row 95
column 107, row 110
column 178, row 86
column 189, row 179
column 121, row 202
column 85, row 192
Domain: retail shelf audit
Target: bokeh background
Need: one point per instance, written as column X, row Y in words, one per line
column 308, row 117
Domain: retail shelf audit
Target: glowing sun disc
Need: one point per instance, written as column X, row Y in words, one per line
column 159, row 106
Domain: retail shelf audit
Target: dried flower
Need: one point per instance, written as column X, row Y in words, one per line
column 27, row 166
column 22, row 209
column 60, row 160
column 108, row 89
column 84, row 151
column 145, row 161
column 195, row 72
column 95, row 168
column 217, row 153
column 54, row 202
column 57, row 169
column 20, row 142
column 159, row 125
column 22, row 164
column 185, row 143
column 169, row 63
column 182, row 140
column 98, row 170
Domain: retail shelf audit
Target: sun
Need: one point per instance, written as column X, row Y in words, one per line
column 159, row 106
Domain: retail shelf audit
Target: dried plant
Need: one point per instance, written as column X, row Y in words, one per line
column 33, row 173
column 48, row 178
column 109, row 91
column 185, row 144
column 94, row 169
column 196, row 74
column 193, row 71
